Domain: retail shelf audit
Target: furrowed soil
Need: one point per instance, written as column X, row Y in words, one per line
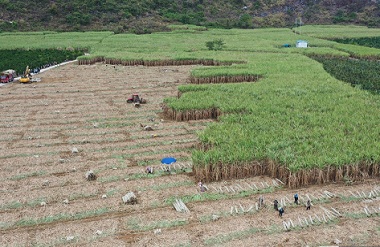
column 77, row 119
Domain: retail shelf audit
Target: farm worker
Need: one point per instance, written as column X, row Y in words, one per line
column 167, row 168
column 280, row 211
column 136, row 98
column 261, row 201
column 308, row 205
column 275, row 203
column 201, row 187
column 296, row 198
column 149, row 170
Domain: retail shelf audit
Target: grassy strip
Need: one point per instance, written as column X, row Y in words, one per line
column 28, row 175
column 17, row 204
column 166, row 186
column 224, row 238
column 137, row 225
column 164, row 152
column 54, row 218
column 360, row 215
column 142, row 145
column 132, row 155
column 37, row 202
column 141, row 176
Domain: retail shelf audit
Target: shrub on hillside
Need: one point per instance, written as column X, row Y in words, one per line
column 216, row 45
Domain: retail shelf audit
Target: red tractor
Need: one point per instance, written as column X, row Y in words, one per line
column 136, row 100
column 7, row 76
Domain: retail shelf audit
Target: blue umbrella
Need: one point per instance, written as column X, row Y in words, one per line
column 168, row 160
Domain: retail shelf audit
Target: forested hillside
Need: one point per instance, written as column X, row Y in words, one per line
column 145, row 16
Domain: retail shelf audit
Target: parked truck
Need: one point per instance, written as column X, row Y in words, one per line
column 7, row 76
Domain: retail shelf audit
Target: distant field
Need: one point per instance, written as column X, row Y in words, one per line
column 337, row 31
column 45, row 40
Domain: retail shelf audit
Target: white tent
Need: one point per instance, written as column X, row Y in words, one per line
column 301, row 44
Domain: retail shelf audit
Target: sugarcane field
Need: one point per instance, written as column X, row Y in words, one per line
column 261, row 146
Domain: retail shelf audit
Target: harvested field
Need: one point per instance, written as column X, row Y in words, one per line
column 77, row 119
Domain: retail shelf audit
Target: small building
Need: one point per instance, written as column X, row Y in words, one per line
column 301, row 44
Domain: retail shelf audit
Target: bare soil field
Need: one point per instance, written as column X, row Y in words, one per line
column 77, row 119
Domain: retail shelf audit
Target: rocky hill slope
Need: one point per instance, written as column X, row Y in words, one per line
column 145, row 16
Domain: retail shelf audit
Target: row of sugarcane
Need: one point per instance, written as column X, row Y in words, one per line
column 365, row 41
column 361, row 73
column 134, row 62
column 188, row 115
column 302, row 177
column 225, row 79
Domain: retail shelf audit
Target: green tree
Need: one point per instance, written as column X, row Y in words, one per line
column 216, row 45
column 245, row 21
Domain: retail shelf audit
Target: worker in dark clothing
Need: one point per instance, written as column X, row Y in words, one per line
column 296, row 198
column 275, row 205
column 136, row 98
column 261, row 201
column 280, row 211
column 308, row 205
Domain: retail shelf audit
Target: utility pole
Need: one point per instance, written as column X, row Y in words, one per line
column 298, row 22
